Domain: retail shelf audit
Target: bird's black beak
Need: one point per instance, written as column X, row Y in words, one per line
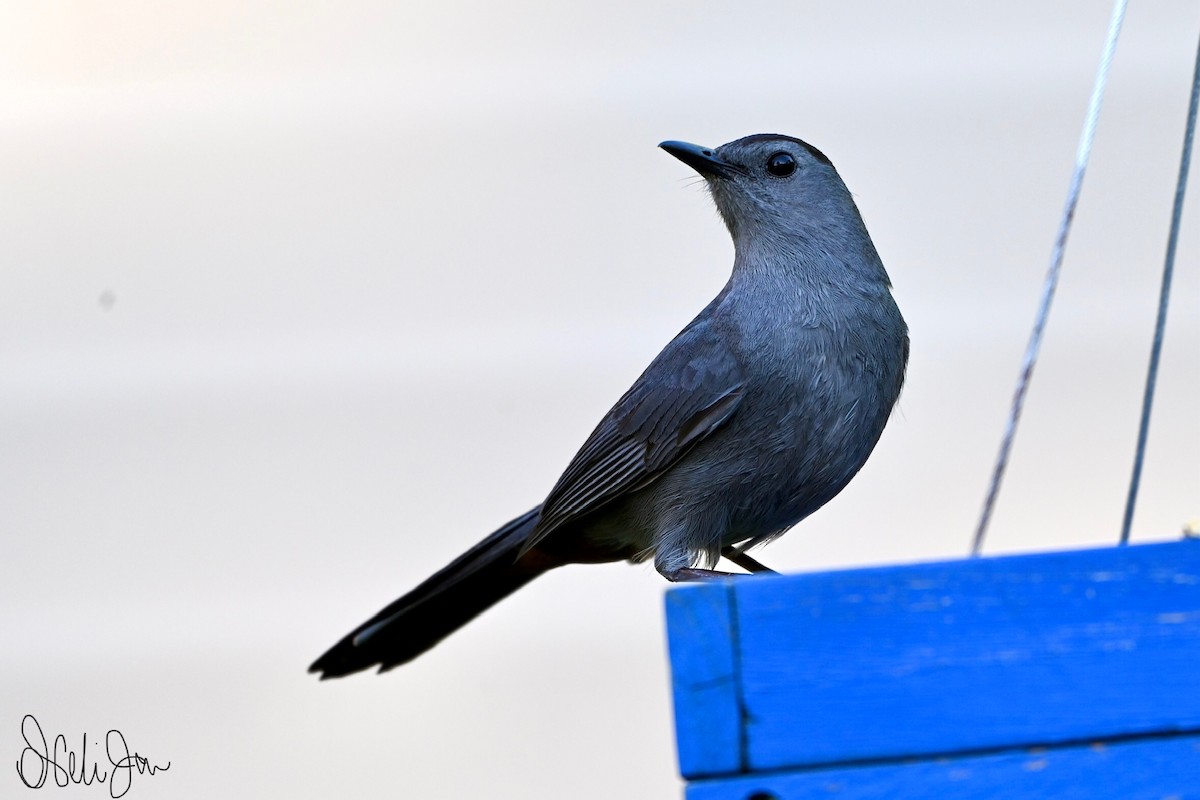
column 702, row 159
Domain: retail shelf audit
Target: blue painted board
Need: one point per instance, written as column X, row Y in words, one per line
column 704, row 678
column 1159, row 769
column 942, row 658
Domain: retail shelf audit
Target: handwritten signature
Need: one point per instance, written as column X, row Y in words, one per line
column 37, row 759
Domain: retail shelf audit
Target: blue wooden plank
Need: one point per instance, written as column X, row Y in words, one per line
column 1159, row 769
column 962, row 656
column 704, row 679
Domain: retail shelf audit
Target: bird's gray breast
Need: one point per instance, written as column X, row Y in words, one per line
column 820, row 386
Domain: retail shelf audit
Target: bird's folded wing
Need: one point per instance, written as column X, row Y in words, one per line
column 689, row 391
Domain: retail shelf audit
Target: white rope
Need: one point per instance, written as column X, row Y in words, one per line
column 1051, row 283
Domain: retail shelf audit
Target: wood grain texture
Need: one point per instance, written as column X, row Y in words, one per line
column 1166, row 769
column 704, row 679
column 935, row 659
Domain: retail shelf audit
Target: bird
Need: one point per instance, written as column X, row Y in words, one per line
column 755, row 415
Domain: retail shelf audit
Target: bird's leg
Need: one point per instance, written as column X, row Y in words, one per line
column 744, row 561
column 675, row 564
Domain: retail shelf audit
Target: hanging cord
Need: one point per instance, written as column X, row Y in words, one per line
column 1051, row 283
column 1164, row 296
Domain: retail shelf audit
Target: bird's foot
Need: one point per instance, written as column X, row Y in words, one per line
column 692, row 574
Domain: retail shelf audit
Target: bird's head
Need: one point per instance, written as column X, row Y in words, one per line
column 768, row 183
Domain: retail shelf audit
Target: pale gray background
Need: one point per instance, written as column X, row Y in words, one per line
column 299, row 301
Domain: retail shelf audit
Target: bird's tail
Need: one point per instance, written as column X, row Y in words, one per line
column 472, row 583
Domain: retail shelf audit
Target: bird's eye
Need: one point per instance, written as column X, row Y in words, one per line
column 781, row 165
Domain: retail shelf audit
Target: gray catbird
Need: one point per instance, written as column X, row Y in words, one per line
column 753, row 417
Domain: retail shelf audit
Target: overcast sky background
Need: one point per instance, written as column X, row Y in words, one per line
column 301, row 300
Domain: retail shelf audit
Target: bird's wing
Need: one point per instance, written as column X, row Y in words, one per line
column 692, row 388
